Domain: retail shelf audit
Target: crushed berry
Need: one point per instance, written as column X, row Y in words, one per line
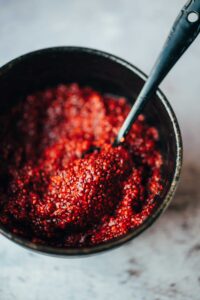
column 56, row 193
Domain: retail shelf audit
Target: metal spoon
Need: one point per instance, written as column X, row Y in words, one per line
column 184, row 30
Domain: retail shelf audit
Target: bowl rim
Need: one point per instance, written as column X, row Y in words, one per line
column 68, row 252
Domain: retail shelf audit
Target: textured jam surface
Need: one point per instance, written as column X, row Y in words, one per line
column 53, row 192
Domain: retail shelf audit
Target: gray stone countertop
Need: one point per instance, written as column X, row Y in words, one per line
column 164, row 262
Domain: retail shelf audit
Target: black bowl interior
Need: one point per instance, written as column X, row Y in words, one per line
column 88, row 67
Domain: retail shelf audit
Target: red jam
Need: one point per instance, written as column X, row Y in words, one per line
column 54, row 192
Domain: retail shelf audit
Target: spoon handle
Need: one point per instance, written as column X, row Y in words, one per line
column 184, row 30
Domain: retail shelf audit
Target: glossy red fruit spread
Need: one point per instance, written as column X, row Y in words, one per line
column 53, row 191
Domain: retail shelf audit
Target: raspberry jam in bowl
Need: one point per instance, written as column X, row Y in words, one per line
column 57, row 196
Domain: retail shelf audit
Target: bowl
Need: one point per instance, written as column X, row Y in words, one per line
column 108, row 73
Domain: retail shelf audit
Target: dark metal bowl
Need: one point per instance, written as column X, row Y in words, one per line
column 108, row 73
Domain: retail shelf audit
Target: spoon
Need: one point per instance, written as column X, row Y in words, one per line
column 184, row 31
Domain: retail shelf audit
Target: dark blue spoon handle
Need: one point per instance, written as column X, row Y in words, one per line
column 185, row 29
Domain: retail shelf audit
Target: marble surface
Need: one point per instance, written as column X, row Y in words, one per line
column 164, row 262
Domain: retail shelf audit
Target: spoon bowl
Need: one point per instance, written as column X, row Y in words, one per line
column 109, row 74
